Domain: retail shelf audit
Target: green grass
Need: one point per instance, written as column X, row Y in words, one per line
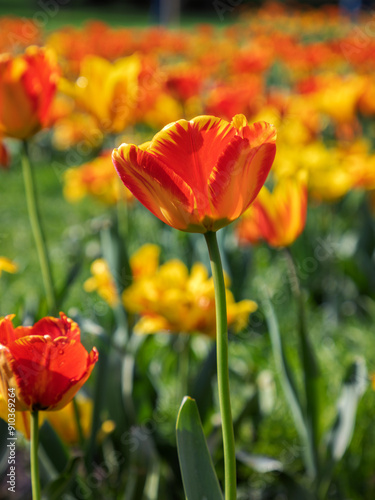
column 116, row 15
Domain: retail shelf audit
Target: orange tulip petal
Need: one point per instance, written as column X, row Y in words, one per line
column 192, row 148
column 57, row 327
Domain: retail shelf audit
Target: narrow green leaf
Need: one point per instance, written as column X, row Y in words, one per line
column 289, row 386
column 198, row 473
column 311, row 373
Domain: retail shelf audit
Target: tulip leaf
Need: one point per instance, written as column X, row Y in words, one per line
column 311, row 372
column 353, row 388
column 289, row 386
column 198, row 473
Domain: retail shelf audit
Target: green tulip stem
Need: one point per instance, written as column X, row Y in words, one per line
column 40, row 242
column 222, row 367
column 34, row 442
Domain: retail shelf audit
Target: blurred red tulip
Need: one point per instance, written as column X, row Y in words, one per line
column 278, row 217
column 27, row 87
column 43, row 365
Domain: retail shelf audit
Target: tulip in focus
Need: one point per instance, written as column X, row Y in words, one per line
column 199, row 175
column 27, row 87
column 44, row 365
column 277, row 217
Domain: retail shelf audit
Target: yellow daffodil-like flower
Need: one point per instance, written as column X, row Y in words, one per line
column 7, row 265
column 328, row 175
column 338, row 97
column 174, row 300
column 102, row 282
column 145, row 262
column 107, row 91
column 96, row 178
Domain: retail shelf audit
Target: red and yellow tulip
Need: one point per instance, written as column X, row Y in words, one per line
column 277, row 217
column 199, row 175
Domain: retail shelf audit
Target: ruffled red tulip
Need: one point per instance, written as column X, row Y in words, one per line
column 27, row 87
column 199, row 175
column 43, row 365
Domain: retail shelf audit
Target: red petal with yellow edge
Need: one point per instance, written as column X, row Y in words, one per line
column 48, row 373
column 192, row 148
column 56, row 327
column 156, row 186
column 240, row 173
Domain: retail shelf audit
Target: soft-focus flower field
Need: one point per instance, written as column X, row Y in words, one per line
column 299, row 263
